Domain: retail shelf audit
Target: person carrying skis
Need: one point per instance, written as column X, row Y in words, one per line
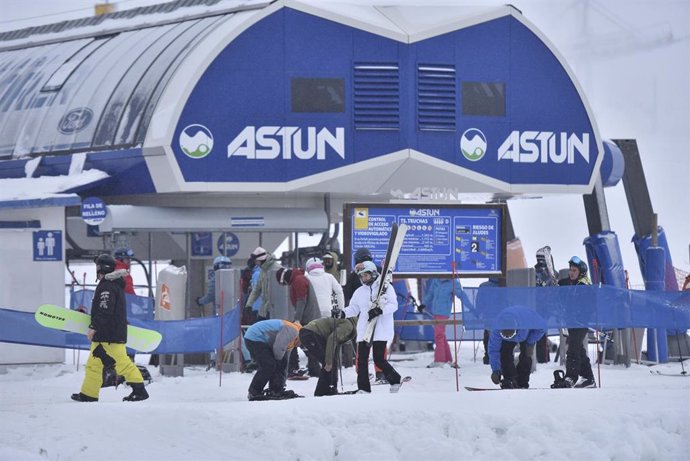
column 363, row 304
column 108, row 335
column 502, row 345
column 320, row 339
column 577, row 362
column 269, row 343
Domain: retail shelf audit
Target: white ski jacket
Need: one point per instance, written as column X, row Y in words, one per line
column 325, row 285
column 360, row 304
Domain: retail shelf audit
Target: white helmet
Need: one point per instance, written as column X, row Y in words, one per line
column 313, row 263
column 367, row 267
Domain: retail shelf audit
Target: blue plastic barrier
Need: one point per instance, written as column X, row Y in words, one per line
column 138, row 307
column 179, row 336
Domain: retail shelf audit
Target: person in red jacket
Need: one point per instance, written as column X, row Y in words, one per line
column 123, row 260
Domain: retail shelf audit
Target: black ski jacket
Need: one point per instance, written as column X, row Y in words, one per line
column 109, row 310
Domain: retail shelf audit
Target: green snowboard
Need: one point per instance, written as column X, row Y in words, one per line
column 59, row 318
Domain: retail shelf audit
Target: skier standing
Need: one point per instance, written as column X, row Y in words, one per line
column 438, row 298
column 325, row 287
column 577, row 362
column 220, row 262
column 262, row 289
column 108, row 335
column 330, row 264
column 362, row 304
column 502, row 345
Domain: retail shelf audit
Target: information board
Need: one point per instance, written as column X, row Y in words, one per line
column 472, row 236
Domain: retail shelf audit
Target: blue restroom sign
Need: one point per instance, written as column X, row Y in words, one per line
column 47, row 245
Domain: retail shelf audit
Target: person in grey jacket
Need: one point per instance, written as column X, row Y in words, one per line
column 268, row 263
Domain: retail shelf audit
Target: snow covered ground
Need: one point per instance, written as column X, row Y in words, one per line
column 634, row 416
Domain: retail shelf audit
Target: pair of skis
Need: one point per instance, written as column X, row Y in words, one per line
column 395, row 243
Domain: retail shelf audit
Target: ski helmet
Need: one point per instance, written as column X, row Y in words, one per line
column 105, row 264
column 221, row 262
column 259, row 254
column 367, row 267
column 313, row 263
column 362, row 254
column 580, row 264
column 283, row 276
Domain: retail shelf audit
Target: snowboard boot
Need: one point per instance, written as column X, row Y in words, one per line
column 138, row 393
column 559, row 380
column 83, row 398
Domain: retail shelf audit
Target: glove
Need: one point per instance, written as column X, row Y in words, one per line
column 421, row 308
column 375, row 312
column 496, row 377
column 337, row 313
column 197, row 301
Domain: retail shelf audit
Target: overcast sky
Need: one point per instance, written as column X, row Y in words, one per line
column 632, row 60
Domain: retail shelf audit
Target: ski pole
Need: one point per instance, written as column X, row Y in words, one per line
column 220, row 356
column 455, row 331
column 336, row 347
column 595, row 267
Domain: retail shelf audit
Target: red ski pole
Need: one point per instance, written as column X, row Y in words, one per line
column 455, row 332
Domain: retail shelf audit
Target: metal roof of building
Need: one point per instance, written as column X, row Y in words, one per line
column 73, row 88
column 96, row 20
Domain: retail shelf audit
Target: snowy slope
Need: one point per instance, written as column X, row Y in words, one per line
column 634, row 416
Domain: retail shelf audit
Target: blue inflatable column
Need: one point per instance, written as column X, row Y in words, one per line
column 655, row 262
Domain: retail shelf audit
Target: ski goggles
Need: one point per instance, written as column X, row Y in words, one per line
column 575, row 260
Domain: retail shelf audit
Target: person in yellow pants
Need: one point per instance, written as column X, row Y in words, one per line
column 108, row 335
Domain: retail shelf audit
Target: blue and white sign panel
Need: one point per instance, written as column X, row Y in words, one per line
column 47, row 245
column 471, row 236
column 202, row 244
column 515, row 121
column 228, row 244
column 93, row 211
